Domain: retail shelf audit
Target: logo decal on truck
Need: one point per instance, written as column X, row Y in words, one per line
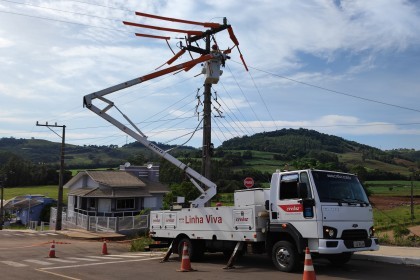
column 292, row 208
column 209, row 219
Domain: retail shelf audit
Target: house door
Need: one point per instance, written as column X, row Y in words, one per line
column 104, row 205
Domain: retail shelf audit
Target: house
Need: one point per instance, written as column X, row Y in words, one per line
column 116, row 193
column 29, row 207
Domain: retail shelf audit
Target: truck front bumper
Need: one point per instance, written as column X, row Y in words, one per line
column 337, row 246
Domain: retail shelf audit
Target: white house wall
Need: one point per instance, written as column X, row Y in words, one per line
column 153, row 203
column 70, row 204
column 104, row 205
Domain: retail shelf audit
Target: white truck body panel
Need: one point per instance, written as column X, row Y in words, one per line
column 243, row 222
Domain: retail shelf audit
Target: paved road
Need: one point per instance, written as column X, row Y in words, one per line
column 24, row 256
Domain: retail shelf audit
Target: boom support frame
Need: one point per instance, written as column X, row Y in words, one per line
column 137, row 134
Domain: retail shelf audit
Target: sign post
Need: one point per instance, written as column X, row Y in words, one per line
column 248, row 182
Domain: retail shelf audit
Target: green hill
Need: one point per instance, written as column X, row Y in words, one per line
column 264, row 152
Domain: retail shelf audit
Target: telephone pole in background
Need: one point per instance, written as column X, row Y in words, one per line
column 58, row 223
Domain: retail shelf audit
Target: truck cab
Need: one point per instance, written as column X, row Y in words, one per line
column 327, row 211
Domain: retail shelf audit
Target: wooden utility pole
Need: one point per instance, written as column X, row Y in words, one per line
column 412, row 201
column 1, row 205
column 206, row 161
column 58, row 223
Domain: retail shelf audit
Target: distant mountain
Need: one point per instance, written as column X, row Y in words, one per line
column 297, row 145
column 285, row 146
column 299, row 140
column 88, row 156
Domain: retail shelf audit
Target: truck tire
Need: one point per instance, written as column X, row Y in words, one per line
column 195, row 248
column 285, row 256
column 340, row 259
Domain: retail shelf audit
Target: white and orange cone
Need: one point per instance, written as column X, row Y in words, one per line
column 52, row 250
column 185, row 261
column 308, row 270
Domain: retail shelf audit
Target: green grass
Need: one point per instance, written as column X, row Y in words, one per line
column 388, row 219
column 393, row 188
column 49, row 191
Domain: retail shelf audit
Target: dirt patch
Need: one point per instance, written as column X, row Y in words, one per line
column 390, row 202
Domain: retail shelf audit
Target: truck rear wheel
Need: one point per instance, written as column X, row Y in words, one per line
column 285, row 256
column 195, row 248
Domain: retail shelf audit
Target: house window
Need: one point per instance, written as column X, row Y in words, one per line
column 92, row 204
column 127, row 203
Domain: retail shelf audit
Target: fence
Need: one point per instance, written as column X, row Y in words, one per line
column 71, row 219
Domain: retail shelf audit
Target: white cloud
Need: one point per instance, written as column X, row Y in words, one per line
column 5, row 43
column 49, row 65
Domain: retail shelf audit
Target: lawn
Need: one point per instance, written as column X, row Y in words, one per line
column 49, row 191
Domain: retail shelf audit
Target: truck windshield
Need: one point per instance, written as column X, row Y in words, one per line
column 340, row 188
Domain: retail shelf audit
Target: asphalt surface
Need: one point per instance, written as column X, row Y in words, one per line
column 386, row 254
column 24, row 255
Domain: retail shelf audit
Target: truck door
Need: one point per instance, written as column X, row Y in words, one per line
column 296, row 204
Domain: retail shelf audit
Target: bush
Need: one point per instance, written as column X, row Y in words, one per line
column 401, row 231
column 140, row 244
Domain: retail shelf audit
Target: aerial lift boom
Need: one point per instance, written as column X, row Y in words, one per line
column 216, row 58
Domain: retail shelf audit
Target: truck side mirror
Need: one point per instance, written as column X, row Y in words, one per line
column 267, row 205
column 303, row 190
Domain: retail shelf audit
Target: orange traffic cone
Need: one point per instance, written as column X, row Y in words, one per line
column 104, row 248
column 185, row 261
column 52, row 250
column 308, row 270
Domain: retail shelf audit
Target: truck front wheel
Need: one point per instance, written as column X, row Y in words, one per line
column 285, row 256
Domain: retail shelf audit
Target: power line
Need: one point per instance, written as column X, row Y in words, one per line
column 237, row 109
column 59, row 10
column 103, row 6
column 65, row 21
column 331, row 90
column 243, row 94
column 262, row 99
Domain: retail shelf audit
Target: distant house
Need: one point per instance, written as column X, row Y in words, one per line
column 116, row 193
column 28, row 208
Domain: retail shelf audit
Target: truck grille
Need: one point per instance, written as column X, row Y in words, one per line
column 354, row 234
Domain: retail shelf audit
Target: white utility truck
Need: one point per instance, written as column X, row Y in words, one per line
column 326, row 211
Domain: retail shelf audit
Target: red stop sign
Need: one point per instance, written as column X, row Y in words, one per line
column 248, row 182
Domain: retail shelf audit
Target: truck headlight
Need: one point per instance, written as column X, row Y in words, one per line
column 371, row 232
column 330, row 232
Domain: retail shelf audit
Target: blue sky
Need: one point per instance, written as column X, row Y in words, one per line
column 345, row 68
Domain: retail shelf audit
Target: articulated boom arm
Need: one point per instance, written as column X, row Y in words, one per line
column 194, row 176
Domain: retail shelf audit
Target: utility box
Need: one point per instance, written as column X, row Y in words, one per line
column 251, row 197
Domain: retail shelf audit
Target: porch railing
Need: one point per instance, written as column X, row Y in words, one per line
column 72, row 219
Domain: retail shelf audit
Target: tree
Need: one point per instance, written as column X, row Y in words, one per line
column 185, row 189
